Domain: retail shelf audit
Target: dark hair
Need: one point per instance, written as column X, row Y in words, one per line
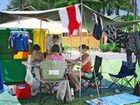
column 84, row 46
column 55, row 36
column 36, row 47
column 55, row 48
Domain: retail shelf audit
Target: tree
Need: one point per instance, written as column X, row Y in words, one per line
column 43, row 4
column 103, row 6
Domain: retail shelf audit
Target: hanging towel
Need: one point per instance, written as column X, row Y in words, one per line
column 111, row 33
column 98, row 28
column 64, row 90
column 21, row 55
column 39, row 37
column 71, row 18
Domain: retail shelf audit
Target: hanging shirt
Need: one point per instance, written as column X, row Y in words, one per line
column 122, row 40
column 18, row 40
column 97, row 31
column 111, row 33
column 134, row 42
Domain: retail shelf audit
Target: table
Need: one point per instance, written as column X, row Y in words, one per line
column 30, row 64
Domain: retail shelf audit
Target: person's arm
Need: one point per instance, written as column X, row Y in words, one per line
column 47, row 57
column 38, row 56
column 73, row 61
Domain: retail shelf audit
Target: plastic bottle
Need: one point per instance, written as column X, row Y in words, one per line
column 29, row 59
column 12, row 91
column 72, row 93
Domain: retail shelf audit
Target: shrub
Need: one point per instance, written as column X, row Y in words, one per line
column 104, row 47
column 109, row 47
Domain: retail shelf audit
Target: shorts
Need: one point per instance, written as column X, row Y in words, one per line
column 88, row 75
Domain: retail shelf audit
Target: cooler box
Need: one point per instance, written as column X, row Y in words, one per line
column 23, row 91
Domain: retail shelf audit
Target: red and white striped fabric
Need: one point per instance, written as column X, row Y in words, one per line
column 71, row 18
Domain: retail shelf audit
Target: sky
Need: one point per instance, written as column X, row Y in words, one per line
column 138, row 6
column 4, row 3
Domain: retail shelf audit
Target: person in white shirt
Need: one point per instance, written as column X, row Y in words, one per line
column 55, row 39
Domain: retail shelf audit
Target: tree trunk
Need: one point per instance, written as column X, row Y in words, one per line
column 135, row 9
column 21, row 5
column 103, row 7
column 49, row 4
column 117, row 10
column 109, row 12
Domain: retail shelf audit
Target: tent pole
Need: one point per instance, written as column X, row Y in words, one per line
column 71, row 46
column 40, row 30
column 81, row 43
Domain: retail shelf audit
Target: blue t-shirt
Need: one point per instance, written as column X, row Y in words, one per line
column 19, row 41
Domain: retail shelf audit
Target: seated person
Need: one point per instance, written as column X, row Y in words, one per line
column 86, row 63
column 52, row 40
column 36, row 55
column 55, row 54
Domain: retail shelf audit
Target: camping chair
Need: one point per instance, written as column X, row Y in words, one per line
column 121, row 79
column 52, row 72
column 97, row 75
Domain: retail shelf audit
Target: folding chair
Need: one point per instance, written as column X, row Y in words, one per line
column 52, row 72
column 124, row 76
column 97, row 75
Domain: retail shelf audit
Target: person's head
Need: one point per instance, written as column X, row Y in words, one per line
column 55, row 38
column 36, row 47
column 55, row 49
column 84, row 48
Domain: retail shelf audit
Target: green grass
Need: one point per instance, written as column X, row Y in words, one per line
column 108, row 66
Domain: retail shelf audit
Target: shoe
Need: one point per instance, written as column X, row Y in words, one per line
column 94, row 85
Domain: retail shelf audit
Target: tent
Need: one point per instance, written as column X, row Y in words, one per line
column 54, row 15
column 34, row 23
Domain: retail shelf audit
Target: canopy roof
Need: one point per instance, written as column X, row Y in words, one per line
column 33, row 23
column 54, row 15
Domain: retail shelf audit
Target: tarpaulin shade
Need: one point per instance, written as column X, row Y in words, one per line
column 33, row 23
column 54, row 15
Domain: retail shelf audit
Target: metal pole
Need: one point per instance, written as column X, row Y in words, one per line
column 21, row 5
column 81, row 42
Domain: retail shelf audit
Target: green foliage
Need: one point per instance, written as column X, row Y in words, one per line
column 62, row 3
column 104, row 47
column 110, row 6
column 128, row 17
column 114, row 48
column 109, row 47
column 43, row 4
